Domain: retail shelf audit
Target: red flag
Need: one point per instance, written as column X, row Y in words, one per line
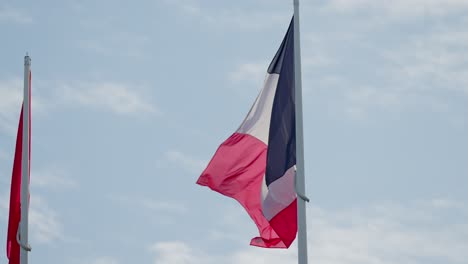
column 13, row 248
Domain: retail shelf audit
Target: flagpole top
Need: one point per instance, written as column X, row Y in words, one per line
column 27, row 60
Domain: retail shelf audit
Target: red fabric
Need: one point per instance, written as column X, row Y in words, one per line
column 12, row 247
column 236, row 170
column 286, row 231
column 13, row 250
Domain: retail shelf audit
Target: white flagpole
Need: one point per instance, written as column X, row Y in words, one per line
column 300, row 179
column 23, row 235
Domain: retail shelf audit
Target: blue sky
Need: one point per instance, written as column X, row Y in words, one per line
column 130, row 101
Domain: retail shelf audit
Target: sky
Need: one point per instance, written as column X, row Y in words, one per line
column 131, row 100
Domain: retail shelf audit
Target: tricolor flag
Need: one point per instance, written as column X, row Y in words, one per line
column 256, row 164
column 12, row 245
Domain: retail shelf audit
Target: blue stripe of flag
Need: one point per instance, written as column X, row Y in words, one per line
column 281, row 154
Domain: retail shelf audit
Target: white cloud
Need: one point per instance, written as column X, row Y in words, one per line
column 105, row 260
column 11, row 98
column 115, row 97
column 97, row 260
column 11, row 95
column 4, row 205
column 386, row 233
column 44, row 223
column 364, row 99
column 184, row 161
column 401, row 8
column 177, row 252
column 421, row 69
column 314, row 51
column 14, row 16
column 230, row 18
column 250, row 72
column 121, row 43
column 4, row 155
column 435, row 59
column 52, row 178
column 150, row 204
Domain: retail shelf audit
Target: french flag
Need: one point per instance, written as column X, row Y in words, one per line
column 256, row 164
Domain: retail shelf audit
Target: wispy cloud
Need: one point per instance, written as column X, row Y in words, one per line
column 11, row 98
column 122, row 43
column 105, row 260
column 386, row 233
column 177, row 252
column 115, row 97
column 230, row 18
column 10, row 104
column 423, row 69
column 401, row 8
column 435, row 59
column 12, row 15
column 45, row 225
column 44, row 222
column 150, row 204
column 250, row 72
column 184, row 161
column 52, row 178
column 97, row 260
column 4, row 205
column 3, row 155
column 364, row 99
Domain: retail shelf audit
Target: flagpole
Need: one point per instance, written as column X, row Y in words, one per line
column 300, row 179
column 23, row 235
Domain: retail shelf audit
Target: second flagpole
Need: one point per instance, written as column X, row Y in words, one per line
column 23, row 234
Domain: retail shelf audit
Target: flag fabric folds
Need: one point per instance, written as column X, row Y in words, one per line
column 13, row 248
column 256, row 164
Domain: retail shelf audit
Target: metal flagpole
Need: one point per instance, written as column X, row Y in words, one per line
column 23, row 234
column 300, row 179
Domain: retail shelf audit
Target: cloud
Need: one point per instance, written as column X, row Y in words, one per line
column 184, row 161
column 4, row 205
column 16, row 16
column 149, row 204
column 44, row 223
column 385, row 233
column 11, row 98
column 230, row 17
column 11, row 94
column 105, row 260
column 420, row 72
column 434, row 59
column 363, row 99
column 115, row 97
column 4, row 155
column 250, row 72
column 384, row 69
column 400, row 8
column 176, row 253
column 52, row 178
column 97, row 260
column 122, row 43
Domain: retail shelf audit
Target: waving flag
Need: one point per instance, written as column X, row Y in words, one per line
column 256, row 164
column 12, row 246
